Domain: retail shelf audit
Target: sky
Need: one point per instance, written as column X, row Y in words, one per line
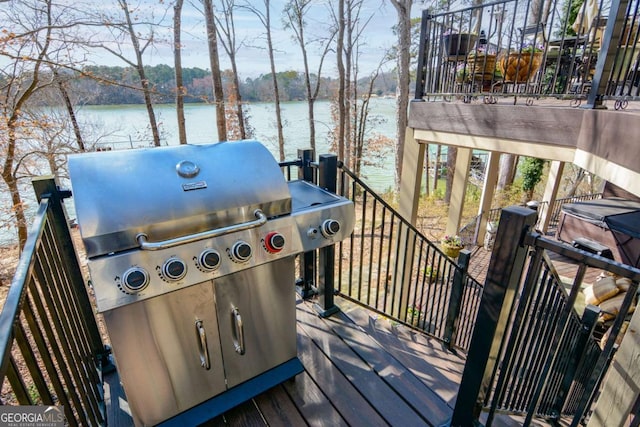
column 252, row 57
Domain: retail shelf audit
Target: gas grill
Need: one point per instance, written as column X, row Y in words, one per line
column 191, row 251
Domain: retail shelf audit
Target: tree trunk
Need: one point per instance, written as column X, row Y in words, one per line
column 70, row 110
column 216, row 74
column 265, row 18
column 146, row 88
column 342, row 78
column 177, row 60
column 436, row 170
column 452, row 155
column 426, row 169
column 507, row 171
column 576, row 183
column 236, row 89
column 403, row 9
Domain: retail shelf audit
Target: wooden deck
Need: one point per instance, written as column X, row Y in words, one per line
column 360, row 368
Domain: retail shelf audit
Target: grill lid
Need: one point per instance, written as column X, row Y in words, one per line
column 169, row 192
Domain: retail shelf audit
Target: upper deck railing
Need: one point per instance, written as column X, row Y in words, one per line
column 532, row 49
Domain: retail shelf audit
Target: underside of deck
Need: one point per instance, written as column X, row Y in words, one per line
column 360, row 368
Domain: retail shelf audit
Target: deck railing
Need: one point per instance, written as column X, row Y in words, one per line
column 388, row 266
column 52, row 353
column 469, row 231
column 526, row 48
column 536, row 355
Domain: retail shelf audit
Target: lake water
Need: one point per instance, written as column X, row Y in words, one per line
column 124, row 126
column 127, row 126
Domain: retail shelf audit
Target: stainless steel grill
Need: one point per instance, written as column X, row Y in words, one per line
column 191, row 253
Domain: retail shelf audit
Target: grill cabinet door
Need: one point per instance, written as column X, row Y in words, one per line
column 257, row 319
column 159, row 349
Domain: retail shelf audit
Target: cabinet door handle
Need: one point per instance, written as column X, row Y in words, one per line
column 205, row 362
column 237, row 330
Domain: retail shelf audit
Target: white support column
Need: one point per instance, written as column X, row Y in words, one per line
column 458, row 190
column 411, row 178
column 410, row 183
column 488, row 191
column 550, row 193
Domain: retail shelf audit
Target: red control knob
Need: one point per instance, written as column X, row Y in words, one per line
column 274, row 242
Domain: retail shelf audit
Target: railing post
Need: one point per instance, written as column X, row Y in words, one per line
column 47, row 187
column 421, row 70
column 305, row 286
column 327, row 173
column 305, row 171
column 589, row 320
column 500, row 290
column 608, row 52
column 455, row 299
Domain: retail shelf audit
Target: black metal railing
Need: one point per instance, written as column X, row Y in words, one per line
column 469, row 231
column 530, row 49
column 387, row 265
column 52, row 353
column 556, row 209
column 536, row 355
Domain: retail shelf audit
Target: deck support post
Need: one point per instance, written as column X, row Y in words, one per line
column 458, row 190
column 550, row 194
column 410, row 184
column 500, row 291
column 488, row 190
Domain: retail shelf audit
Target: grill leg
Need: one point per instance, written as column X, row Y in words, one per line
column 326, row 289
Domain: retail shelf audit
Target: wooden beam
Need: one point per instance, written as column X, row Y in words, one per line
column 623, row 177
column 504, row 145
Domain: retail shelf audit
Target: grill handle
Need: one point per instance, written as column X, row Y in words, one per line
column 205, row 362
column 237, row 331
column 261, row 219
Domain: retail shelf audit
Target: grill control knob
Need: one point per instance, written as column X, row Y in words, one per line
column 240, row 251
column 329, row 228
column 135, row 279
column 274, row 242
column 209, row 259
column 174, row 269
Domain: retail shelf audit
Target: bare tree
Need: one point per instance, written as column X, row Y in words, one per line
column 343, row 115
column 265, row 18
column 227, row 32
column 216, row 75
column 296, row 12
column 177, row 62
column 403, row 10
column 139, row 41
column 22, row 78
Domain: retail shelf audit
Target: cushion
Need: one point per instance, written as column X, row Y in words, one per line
column 611, row 307
column 603, row 289
column 623, row 284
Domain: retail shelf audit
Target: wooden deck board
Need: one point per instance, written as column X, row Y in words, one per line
column 278, row 409
column 438, row 369
column 360, row 369
column 391, row 406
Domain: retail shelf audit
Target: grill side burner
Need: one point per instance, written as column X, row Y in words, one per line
column 191, row 254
